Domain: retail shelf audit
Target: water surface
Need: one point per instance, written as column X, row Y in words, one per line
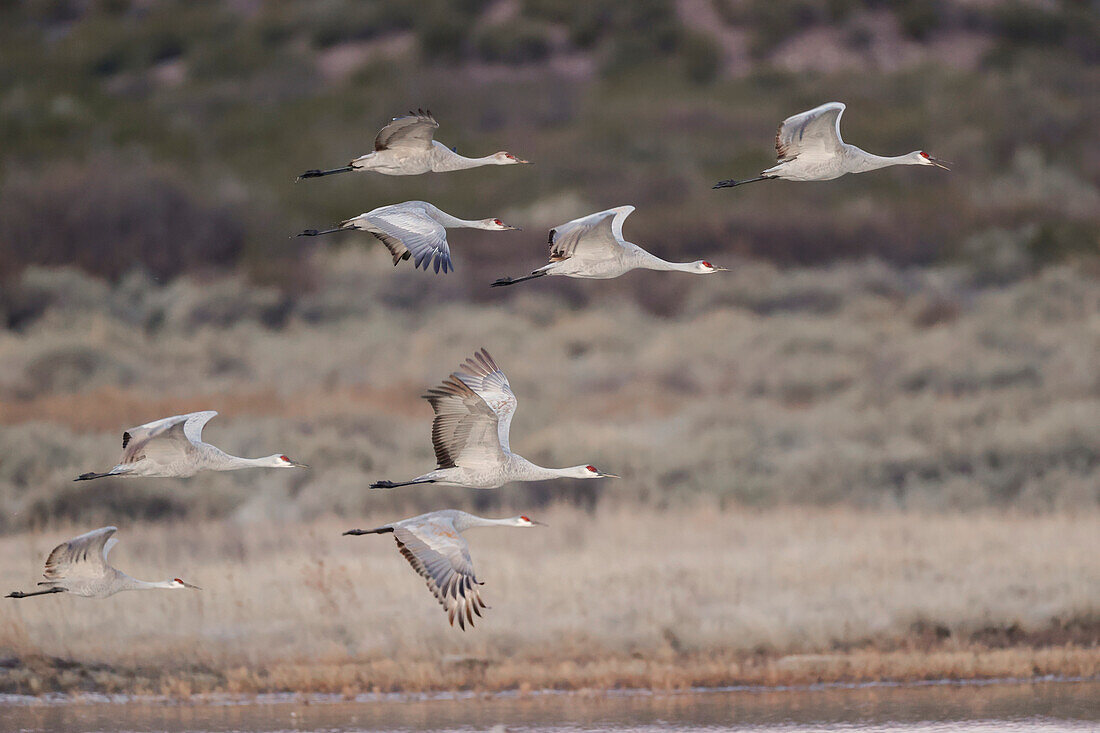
column 1004, row 706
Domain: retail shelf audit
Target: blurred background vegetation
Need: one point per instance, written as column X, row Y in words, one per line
column 150, row 148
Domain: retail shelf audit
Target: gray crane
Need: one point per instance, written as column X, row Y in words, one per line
column 413, row 229
column 473, row 413
column 809, row 148
column 173, row 447
column 80, row 567
column 434, row 546
column 406, row 147
column 593, row 247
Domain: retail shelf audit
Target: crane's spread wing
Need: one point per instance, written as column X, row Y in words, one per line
column 810, row 134
column 410, row 232
column 167, row 438
column 440, row 554
column 414, row 131
column 597, row 236
column 468, row 430
column 482, row 375
column 85, row 555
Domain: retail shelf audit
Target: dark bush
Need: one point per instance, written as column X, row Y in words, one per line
column 109, row 216
column 919, row 18
column 515, row 43
column 1019, row 22
column 702, row 57
column 442, row 37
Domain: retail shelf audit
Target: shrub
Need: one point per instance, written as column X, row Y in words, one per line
column 109, row 216
column 516, row 43
column 702, row 57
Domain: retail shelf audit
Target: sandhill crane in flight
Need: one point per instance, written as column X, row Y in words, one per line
column 593, row 247
column 413, row 229
column 173, row 447
column 80, row 567
column 473, row 411
column 405, row 148
column 809, row 148
column 434, row 546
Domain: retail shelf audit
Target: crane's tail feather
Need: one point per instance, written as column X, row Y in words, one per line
column 392, row 485
column 317, row 173
column 376, row 530
column 92, row 475
column 513, row 280
column 21, row 594
column 730, row 183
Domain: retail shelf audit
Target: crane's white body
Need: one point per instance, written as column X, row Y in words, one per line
column 416, row 230
column 473, row 415
column 80, row 567
column 406, row 147
column 173, row 447
column 809, row 147
column 593, row 247
column 434, row 546
column 407, row 160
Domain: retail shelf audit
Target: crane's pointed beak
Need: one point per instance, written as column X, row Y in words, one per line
column 296, row 464
column 509, row 226
column 609, row 475
column 188, row 585
column 940, row 163
column 538, row 523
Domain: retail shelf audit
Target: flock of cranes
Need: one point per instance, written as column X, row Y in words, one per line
column 475, row 404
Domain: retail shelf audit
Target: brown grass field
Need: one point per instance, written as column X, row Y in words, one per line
column 849, row 473
column 618, row 598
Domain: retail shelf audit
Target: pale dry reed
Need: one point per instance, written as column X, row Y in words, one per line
column 619, row 597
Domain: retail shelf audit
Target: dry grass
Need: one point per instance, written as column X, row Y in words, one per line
column 859, row 384
column 612, row 599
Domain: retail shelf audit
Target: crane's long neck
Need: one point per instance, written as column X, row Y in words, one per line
column 527, row 471
column 446, row 159
column 453, row 222
column 466, row 521
column 129, row 583
column 860, row 160
column 653, row 262
column 219, row 460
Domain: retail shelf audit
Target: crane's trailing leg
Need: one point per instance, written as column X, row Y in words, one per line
column 315, row 173
column 379, row 530
column 730, row 183
column 319, row 232
column 90, row 476
column 392, row 485
column 21, row 594
column 513, row 280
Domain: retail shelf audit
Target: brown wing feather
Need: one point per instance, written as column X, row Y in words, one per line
column 453, row 585
column 85, row 548
column 414, row 130
column 395, row 246
column 451, row 429
column 780, row 148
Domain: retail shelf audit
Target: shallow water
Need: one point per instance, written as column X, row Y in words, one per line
column 1002, row 706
